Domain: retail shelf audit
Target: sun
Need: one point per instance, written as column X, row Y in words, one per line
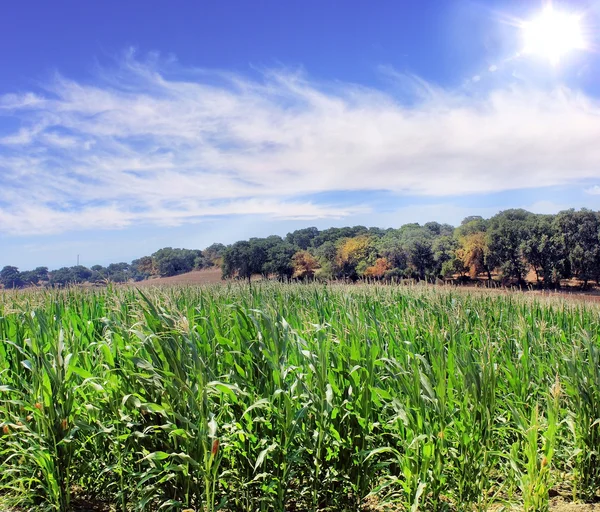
column 553, row 34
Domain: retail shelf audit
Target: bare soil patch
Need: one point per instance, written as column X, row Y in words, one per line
column 196, row 277
column 556, row 505
column 561, row 506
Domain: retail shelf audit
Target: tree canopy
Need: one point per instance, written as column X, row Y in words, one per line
column 512, row 246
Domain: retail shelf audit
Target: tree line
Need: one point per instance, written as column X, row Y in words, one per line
column 163, row 263
column 510, row 247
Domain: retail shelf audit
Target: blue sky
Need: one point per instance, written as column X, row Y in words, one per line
column 130, row 126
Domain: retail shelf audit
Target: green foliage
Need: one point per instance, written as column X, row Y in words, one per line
column 335, row 234
column 582, row 367
column 70, row 275
column 239, row 261
column 544, row 249
column 35, row 277
column 531, row 454
column 506, row 232
column 10, row 277
column 279, row 254
column 579, row 234
column 115, row 272
column 326, row 254
column 302, row 238
column 171, row 262
column 470, row 225
column 410, row 249
column 270, row 256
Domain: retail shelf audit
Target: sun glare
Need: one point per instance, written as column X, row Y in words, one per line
column 553, row 34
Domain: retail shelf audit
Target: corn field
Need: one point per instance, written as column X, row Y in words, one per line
column 276, row 397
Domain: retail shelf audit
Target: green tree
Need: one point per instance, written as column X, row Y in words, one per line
column 10, row 277
column 335, row 234
column 36, row 276
column 444, row 250
column 279, row 259
column 237, row 261
column 420, row 256
column 99, row 274
column 580, row 235
column 544, row 249
column 409, row 250
column 70, row 275
column 506, row 233
column 391, row 247
column 118, row 272
column 452, row 267
column 471, row 224
column 302, row 238
column 326, row 255
column 171, row 262
column 438, row 229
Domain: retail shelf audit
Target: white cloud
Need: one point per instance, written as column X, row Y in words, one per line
column 493, row 68
column 43, row 219
column 595, row 190
column 140, row 146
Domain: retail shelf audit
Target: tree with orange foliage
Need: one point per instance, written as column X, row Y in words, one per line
column 378, row 270
column 305, row 265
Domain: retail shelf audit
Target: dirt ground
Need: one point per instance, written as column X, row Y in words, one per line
column 197, row 277
column 560, row 506
column 557, row 504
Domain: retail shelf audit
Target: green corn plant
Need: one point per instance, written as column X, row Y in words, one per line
column 582, row 370
column 46, row 395
column 471, row 433
column 537, row 448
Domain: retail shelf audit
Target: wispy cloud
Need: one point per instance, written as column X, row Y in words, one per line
column 145, row 144
column 594, row 191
